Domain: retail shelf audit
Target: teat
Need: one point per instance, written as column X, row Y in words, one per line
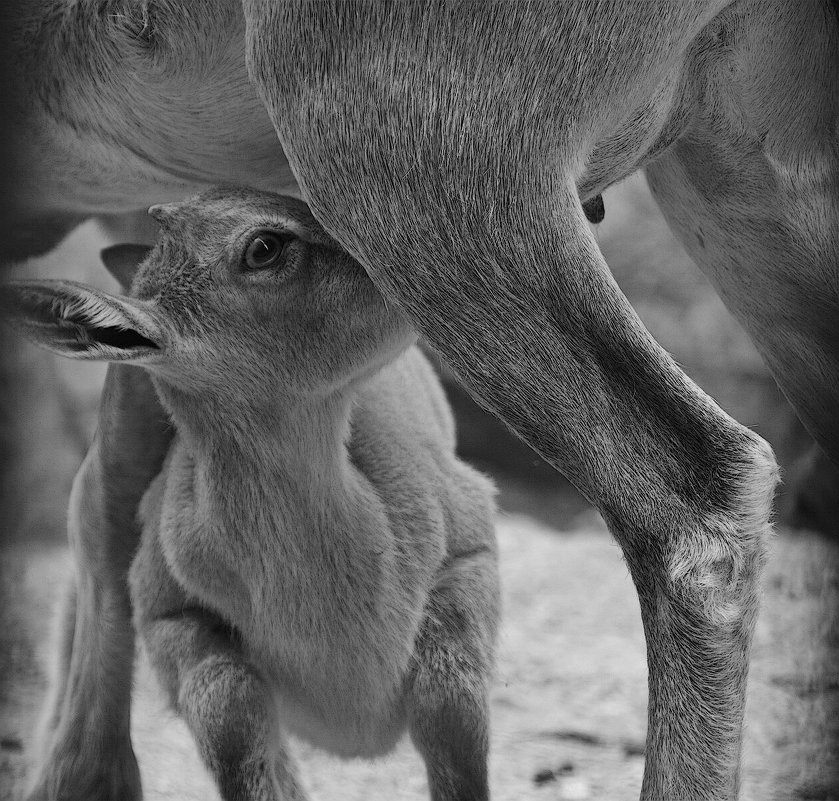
column 164, row 212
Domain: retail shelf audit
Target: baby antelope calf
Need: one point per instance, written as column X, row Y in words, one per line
column 314, row 559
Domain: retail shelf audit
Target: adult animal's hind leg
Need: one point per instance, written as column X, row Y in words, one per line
column 465, row 214
column 87, row 754
column 448, row 709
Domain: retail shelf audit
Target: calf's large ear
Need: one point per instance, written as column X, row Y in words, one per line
column 122, row 261
column 79, row 322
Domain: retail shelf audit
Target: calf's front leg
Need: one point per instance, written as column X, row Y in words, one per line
column 224, row 701
column 448, row 706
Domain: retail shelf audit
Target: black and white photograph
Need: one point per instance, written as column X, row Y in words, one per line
column 419, row 400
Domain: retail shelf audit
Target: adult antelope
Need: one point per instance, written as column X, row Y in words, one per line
column 449, row 149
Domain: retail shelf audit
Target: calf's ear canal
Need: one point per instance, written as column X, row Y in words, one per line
column 122, row 261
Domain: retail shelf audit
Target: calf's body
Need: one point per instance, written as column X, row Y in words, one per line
column 323, row 566
column 314, row 558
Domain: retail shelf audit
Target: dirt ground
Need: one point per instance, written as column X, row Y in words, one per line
column 568, row 705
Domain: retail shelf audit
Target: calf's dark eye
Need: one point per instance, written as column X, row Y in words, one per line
column 264, row 250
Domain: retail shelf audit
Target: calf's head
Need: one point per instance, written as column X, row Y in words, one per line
column 244, row 298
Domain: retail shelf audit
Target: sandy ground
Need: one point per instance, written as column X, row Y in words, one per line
column 569, row 698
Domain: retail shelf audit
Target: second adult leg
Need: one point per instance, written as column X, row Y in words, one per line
column 86, row 749
column 516, row 297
